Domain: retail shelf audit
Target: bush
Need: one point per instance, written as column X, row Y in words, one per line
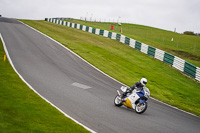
column 188, row 33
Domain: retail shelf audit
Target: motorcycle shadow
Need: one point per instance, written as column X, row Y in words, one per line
column 124, row 108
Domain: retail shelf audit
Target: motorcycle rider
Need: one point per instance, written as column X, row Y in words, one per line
column 138, row 86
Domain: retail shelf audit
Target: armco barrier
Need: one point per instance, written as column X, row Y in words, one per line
column 127, row 40
column 159, row 54
column 110, row 35
column 93, row 30
column 75, row 26
column 172, row 60
column 138, row 45
column 84, row 28
column 168, row 58
column 179, row 63
column 122, row 39
column 132, row 43
column 101, row 32
column 78, row 26
column 118, row 37
column 87, row 29
column 81, row 27
column 151, row 51
column 90, row 29
column 144, row 48
column 113, row 35
column 190, row 69
column 105, row 33
column 198, row 74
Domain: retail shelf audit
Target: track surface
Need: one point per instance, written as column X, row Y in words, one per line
column 80, row 90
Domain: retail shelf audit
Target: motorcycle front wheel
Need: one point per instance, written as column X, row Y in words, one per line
column 118, row 101
column 141, row 108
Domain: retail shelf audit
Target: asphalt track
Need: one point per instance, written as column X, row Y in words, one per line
column 80, row 90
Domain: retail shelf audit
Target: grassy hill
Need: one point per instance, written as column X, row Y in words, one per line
column 127, row 65
column 184, row 46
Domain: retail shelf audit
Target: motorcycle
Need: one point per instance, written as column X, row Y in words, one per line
column 136, row 100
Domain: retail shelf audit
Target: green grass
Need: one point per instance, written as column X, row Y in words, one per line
column 23, row 111
column 184, row 46
column 127, row 65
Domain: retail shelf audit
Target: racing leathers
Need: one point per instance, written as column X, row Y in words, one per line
column 138, row 86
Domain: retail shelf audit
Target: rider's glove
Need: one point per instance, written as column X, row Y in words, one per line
column 128, row 90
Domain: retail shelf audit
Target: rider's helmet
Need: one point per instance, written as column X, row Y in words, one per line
column 143, row 81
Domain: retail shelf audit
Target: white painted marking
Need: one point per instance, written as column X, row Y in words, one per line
column 81, row 85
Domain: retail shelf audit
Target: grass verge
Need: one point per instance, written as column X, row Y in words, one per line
column 186, row 47
column 127, row 65
column 22, row 110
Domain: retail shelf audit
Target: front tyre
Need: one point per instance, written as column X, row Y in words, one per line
column 118, row 101
column 141, row 108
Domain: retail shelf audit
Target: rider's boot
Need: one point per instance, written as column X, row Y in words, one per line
column 123, row 100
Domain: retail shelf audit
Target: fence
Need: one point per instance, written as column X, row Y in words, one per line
column 174, row 61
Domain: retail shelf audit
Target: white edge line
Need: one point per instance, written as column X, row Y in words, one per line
column 103, row 72
column 175, row 107
column 8, row 56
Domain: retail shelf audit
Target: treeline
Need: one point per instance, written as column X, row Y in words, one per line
column 191, row 33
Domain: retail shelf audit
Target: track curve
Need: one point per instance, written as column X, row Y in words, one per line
column 80, row 90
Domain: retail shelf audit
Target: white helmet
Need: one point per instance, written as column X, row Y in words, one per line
column 143, row 81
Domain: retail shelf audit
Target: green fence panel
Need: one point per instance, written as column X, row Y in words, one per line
column 75, row 25
column 127, row 40
column 62, row 22
column 118, row 37
column 70, row 25
column 87, row 28
column 138, row 45
column 190, row 69
column 66, row 23
column 168, row 58
column 81, row 27
column 109, row 34
column 101, row 32
column 93, row 30
column 151, row 51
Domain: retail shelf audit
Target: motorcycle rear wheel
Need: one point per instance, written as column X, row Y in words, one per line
column 141, row 108
column 118, row 101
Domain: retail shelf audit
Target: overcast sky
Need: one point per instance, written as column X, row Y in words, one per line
column 184, row 15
